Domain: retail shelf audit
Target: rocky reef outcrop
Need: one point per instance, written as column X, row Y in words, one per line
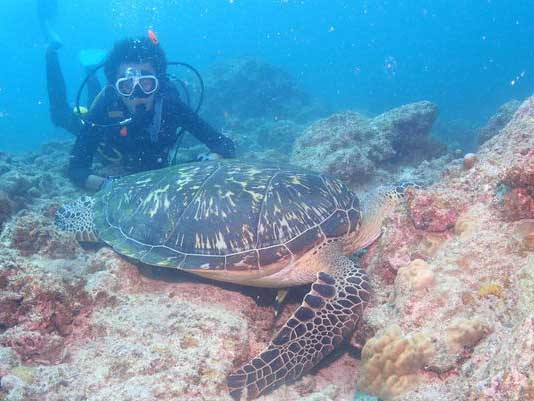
column 359, row 149
column 259, row 105
column 248, row 88
column 453, row 274
column 30, row 181
column 498, row 121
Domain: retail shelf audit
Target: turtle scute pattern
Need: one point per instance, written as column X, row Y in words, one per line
column 223, row 215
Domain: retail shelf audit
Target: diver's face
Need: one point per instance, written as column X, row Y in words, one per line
column 138, row 99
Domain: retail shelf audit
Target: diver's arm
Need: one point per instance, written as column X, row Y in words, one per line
column 81, row 160
column 203, row 131
column 94, row 182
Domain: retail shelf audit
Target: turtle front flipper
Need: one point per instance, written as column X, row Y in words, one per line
column 329, row 312
column 77, row 218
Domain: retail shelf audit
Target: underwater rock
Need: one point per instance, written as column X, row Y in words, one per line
column 30, row 181
column 247, row 88
column 504, row 370
column 8, row 360
column 341, row 145
column 430, row 213
column 518, row 202
column 408, row 128
column 87, row 321
column 472, row 296
column 6, row 208
column 391, row 361
column 358, row 149
column 469, row 160
column 34, row 234
column 38, row 309
column 259, row 106
column 498, row 121
column 264, row 139
column 524, row 234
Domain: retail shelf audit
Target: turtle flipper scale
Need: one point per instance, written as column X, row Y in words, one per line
column 329, row 312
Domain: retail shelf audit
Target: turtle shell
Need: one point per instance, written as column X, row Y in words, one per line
column 223, row 214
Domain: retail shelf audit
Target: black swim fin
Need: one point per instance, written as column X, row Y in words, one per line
column 47, row 11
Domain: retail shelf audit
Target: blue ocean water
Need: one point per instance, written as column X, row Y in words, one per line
column 466, row 56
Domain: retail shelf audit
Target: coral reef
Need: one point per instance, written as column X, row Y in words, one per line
column 454, row 266
column 450, row 317
column 518, row 202
column 431, row 213
column 390, row 362
column 23, row 186
column 34, row 234
column 247, row 88
column 469, row 160
column 359, row 149
column 258, row 105
column 498, row 121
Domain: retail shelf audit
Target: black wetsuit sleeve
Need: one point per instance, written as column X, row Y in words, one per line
column 81, row 157
column 203, row 131
column 61, row 113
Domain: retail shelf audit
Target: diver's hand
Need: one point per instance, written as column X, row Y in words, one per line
column 208, row 156
column 94, row 182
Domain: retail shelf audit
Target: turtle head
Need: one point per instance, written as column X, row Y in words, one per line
column 375, row 206
column 77, row 218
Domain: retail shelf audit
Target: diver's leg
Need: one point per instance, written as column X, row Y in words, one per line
column 47, row 12
column 61, row 113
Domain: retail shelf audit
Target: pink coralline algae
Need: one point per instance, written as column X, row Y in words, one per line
column 470, row 291
column 32, row 234
column 36, row 313
column 518, row 202
column 431, row 213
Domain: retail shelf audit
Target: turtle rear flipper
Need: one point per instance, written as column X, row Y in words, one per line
column 329, row 313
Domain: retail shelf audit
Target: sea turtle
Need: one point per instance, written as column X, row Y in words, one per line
column 252, row 224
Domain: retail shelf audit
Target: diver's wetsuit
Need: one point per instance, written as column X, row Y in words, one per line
column 61, row 113
column 132, row 145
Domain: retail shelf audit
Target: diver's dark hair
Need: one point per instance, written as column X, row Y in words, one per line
column 141, row 50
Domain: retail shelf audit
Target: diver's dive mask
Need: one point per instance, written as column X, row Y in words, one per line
column 137, row 83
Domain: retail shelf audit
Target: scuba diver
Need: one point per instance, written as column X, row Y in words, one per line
column 61, row 113
column 137, row 115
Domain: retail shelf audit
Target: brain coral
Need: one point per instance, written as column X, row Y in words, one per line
column 391, row 362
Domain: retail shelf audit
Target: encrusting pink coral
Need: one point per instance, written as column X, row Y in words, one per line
column 430, row 213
